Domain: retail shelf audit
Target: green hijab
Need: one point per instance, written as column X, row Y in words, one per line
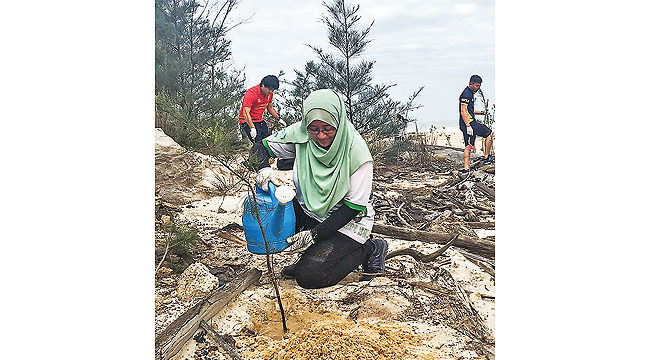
column 324, row 174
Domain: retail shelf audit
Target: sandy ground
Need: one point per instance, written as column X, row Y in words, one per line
column 381, row 319
column 452, row 137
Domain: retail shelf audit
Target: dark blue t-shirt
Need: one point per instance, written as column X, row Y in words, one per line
column 467, row 97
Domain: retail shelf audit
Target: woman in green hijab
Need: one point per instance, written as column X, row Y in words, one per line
column 332, row 173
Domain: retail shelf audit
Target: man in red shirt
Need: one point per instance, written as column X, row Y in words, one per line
column 256, row 100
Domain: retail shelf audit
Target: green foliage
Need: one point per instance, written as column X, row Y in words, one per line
column 196, row 91
column 299, row 89
column 369, row 106
column 182, row 242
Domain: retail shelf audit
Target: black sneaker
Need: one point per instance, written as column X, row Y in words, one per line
column 289, row 272
column 375, row 264
column 488, row 160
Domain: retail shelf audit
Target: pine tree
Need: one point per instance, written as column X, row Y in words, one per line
column 195, row 89
column 369, row 106
column 298, row 90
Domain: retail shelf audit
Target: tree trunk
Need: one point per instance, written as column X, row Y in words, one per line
column 476, row 246
column 171, row 340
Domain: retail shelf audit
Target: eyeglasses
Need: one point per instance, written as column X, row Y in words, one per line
column 329, row 131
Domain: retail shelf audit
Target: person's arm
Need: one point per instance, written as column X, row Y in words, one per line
column 354, row 203
column 247, row 117
column 465, row 114
column 271, row 110
column 337, row 219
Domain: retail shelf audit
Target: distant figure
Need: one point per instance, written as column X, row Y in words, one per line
column 402, row 119
column 256, row 100
column 469, row 126
column 434, row 134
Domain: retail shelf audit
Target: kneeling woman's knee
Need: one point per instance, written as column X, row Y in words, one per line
column 311, row 280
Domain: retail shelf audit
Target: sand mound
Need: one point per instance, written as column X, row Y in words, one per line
column 339, row 338
column 183, row 176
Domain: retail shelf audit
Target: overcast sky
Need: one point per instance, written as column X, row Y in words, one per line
column 435, row 43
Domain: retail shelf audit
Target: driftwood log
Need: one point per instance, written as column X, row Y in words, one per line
column 481, row 225
column 171, row 340
column 476, row 246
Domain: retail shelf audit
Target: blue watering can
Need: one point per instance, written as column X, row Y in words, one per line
column 278, row 221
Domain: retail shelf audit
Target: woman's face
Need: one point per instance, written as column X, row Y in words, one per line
column 322, row 132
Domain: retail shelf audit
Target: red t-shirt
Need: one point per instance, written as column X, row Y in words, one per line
column 257, row 102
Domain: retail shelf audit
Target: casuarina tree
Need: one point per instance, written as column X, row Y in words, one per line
column 196, row 91
column 369, row 106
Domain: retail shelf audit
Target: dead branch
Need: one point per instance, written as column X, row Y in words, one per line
column 481, row 225
column 221, row 343
column 230, row 237
column 475, row 246
column 419, row 256
column 401, row 219
column 169, row 239
column 171, row 340
column 485, row 190
column 429, row 286
column 480, row 264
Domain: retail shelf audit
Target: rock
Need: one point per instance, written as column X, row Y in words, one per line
column 164, row 272
column 432, row 216
column 168, row 281
column 166, row 220
column 196, row 282
column 466, row 185
column 471, row 216
column 470, row 198
column 439, row 157
column 390, row 194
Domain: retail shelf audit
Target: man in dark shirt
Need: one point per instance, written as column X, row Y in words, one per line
column 469, row 126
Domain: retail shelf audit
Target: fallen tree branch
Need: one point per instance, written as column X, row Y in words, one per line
column 221, row 343
column 399, row 216
column 171, row 340
column 476, row 246
column 480, row 207
column 169, row 239
column 478, row 257
column 429, row 286
column 419, row 256
column 484, row 264
column 481, row 225
column 230, row 237
column 485, row 190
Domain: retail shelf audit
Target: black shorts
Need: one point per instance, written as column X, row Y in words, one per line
column 479, row 130
column 261, row 128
